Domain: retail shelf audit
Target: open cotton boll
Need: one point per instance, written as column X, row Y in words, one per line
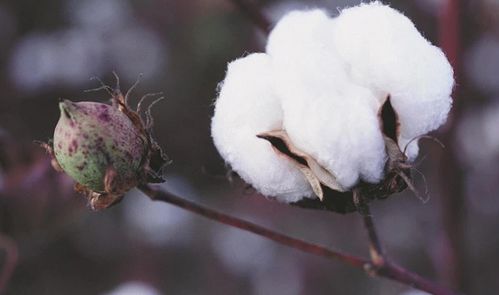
column 246, row 107
column 385, row 51
column 325, row 115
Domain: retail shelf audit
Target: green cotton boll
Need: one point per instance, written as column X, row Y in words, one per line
column 91, row 137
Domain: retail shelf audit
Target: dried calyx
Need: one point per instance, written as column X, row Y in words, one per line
column 106, row 148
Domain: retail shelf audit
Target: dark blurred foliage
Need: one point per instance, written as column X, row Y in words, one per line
column 49, row 50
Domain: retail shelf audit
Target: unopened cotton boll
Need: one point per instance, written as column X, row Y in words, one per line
column 385, row 52
column 325, row 114
column 246, row 107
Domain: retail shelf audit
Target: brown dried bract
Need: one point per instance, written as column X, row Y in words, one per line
column 316, row 175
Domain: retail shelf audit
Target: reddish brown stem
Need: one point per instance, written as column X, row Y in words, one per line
column 251, row 227
column 375, row 249
column 255, row 14
column 11, row 255
column 449, row 31
column 397, row 273
column 452, row 202
column 381, row 265
column 387, row 269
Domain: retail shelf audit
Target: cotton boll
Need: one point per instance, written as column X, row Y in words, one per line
column 324, row 82
column 246, row 107
column 325, row 115
column 384, row 51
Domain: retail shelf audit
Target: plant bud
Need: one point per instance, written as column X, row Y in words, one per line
column 106, row 148
column 90, row 137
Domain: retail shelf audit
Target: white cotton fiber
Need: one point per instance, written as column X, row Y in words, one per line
column 325, row 114
column 246, row 106
column 324, row 81
column 342, row 134
column 385, row 52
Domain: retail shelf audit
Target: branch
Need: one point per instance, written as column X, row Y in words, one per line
column 304, row 246
column 11, row 255
column 256, row 15
column 375, row 249
column 380, row 264
column 387, row 269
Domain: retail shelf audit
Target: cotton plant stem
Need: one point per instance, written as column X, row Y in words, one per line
column 380, row 264
column 387, row 269
column 255, row 14
column 159, row 195
column 397, row 273
column 375, row 248
column 8, row 246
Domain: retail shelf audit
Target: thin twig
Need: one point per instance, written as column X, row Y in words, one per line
column 387, row 269
column 397, row 273
column 380, row 264
column 11, row 255
column 375, row 249
column 254, row 13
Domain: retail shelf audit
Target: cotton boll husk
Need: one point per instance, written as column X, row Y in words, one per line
column 246, row 107
column 325, row 115
column 385, row 51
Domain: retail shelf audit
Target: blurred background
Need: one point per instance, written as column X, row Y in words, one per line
column 50, row 243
